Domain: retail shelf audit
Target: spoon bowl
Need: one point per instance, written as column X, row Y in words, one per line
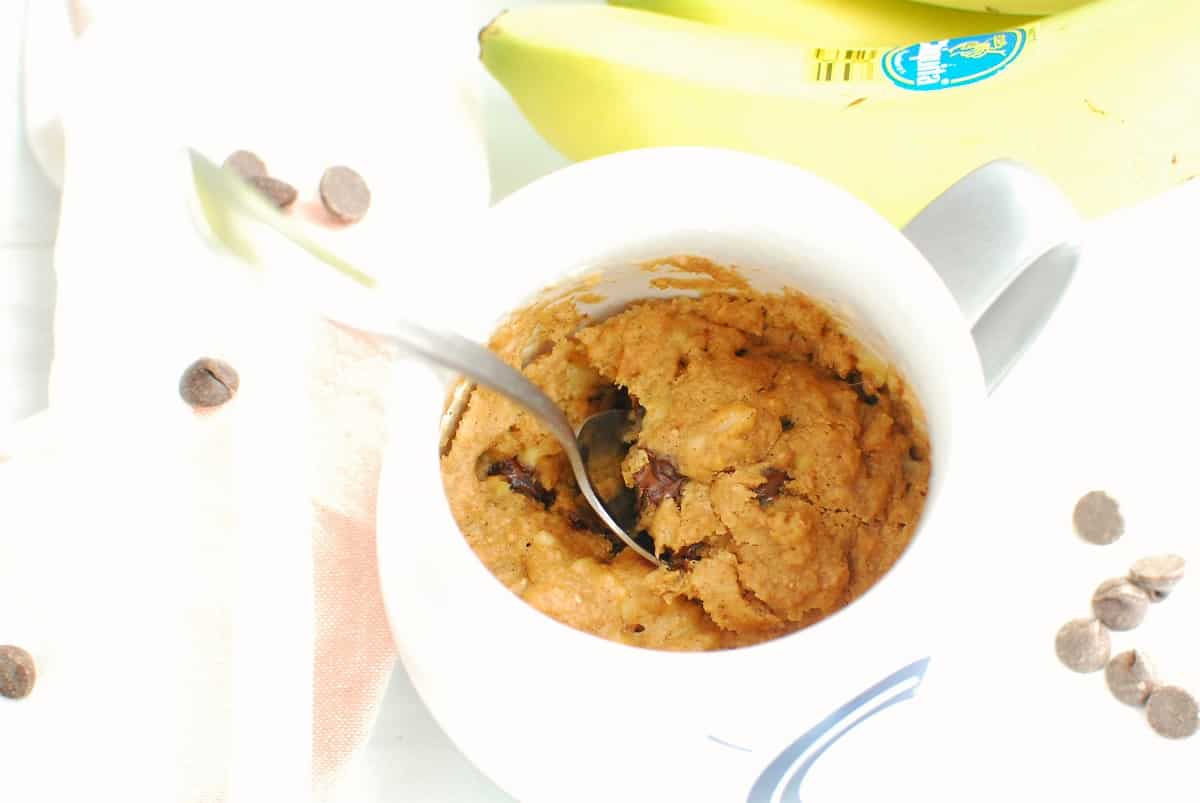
column 604, row 440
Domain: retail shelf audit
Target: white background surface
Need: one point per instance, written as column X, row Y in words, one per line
column 1105, row 400
column 28, row 219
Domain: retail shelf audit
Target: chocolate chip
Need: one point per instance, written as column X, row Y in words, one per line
column 1098, row 518
column 208, row 382
column 768, row 492
column 691, row 553
column 277, row 192
column 659, row 479
column 786, row 424
column 1172, row 712
column 522, row 481
column 1083, row 645
column 17, row 672
column 638, row 628
column 645, row 541
column 1119, row 604
column 855, row 380
column 245, row 164
column 1130, row 677
column 741, row 352
column 1158, row 575
column 345, row 194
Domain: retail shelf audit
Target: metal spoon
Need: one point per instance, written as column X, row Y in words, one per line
column 227, row 205
column 604, row 440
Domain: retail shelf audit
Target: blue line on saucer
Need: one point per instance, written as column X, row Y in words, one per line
column 730, row 744
column 773, row 776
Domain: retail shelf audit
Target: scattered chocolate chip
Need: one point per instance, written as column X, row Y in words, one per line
column 1130, row 677
column 17, row 672
column 522, row 481
column 1119, row 604
column 659, row 479
column 277, row 192
column 246, row 164
column 1098, row 518
column 768, row 492
column 741, row 352
column 914, row 453
column 1158, row 575
column 638, row 628
column 208, row 382
column 786, row 424
column 1172, row 712
column 1083, row 645
column 345, row 194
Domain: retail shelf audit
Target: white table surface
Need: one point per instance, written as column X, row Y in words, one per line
column 1104, row 400
column 28, row 219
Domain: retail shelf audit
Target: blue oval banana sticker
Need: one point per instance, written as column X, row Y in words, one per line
column 947, row 63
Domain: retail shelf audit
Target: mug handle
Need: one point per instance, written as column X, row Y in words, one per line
column 1006, row 242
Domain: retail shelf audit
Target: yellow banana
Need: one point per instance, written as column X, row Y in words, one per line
column 1014, row 6
column 1105, row 100
column 857, row 23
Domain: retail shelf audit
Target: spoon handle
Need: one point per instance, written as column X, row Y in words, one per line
column 466, row 357
column 475, row 362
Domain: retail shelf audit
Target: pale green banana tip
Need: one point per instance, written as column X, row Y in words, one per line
column 487, row 31
column 209, row 215
column 227, row 205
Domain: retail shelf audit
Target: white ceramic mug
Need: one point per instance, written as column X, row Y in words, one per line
column 552, row 714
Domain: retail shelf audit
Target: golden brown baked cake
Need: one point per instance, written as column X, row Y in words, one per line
column 778, row 469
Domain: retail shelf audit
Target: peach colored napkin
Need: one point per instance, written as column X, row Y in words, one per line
column 200, row 589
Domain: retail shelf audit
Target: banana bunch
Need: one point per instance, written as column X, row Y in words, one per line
column 1011, row 6
column 844, row 22
column 1104, row 99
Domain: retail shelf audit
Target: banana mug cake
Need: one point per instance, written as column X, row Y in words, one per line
column 777, row 466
